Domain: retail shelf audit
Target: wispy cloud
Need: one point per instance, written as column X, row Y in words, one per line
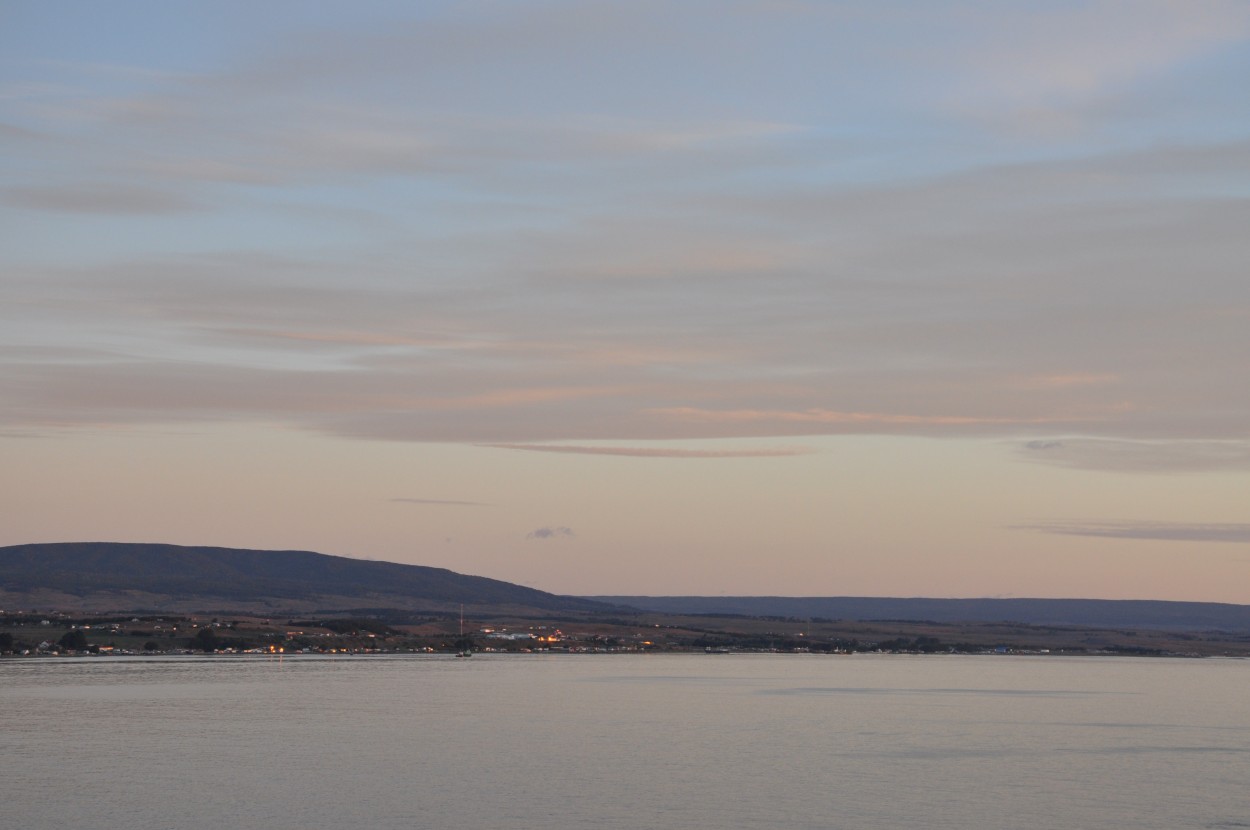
column 442, row 502
column 834, row 417
column 658, row 271
column 1139, row 456
column 99, row 198
column 1070, row 379
column 1037, row 68
column 345, row 338
column 550, row 533
column 656, row 452
column 1154, row 531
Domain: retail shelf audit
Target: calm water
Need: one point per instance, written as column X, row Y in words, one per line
column 648, row 741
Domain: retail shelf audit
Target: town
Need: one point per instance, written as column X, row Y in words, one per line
column 62, row 633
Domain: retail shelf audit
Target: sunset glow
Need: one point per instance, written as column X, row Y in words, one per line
column 638, row 298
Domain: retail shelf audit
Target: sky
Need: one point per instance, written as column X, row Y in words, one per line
column 769, row 298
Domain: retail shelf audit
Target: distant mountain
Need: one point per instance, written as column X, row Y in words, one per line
column 119, row 576
column 1097, row 613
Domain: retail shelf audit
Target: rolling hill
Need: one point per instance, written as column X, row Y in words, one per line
column 113, row 575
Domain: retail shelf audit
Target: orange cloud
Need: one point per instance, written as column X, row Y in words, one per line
column 1069, row 379
column 354, row 338
column 541, row 394
column 831, row 416
column 657, row 452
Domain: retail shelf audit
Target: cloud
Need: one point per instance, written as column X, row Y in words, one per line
column 99, row 198
column 1036, row 68
column 1073, row 379
column 442, row 502
column 517, row 271
column 14, row 132
column 550, row 533
column 1140, row 456
column 838, row 418
column 1154, row 531
column 344, row 338
column 952, row 336
column 657, row 452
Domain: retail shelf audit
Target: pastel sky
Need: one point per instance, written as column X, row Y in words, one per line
column 771, row 297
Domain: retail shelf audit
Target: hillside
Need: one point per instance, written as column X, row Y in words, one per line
column 111, row 575
column 1101, row 613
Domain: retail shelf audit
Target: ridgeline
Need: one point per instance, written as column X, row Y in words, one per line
column 119, row 576
column 1102, row 613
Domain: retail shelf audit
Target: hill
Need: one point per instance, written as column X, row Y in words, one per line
column 112, row 575
column 1100, row 613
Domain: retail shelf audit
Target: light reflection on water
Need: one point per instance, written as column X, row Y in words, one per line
column 624, row 741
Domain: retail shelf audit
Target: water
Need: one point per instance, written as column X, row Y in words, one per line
column 705, row 742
